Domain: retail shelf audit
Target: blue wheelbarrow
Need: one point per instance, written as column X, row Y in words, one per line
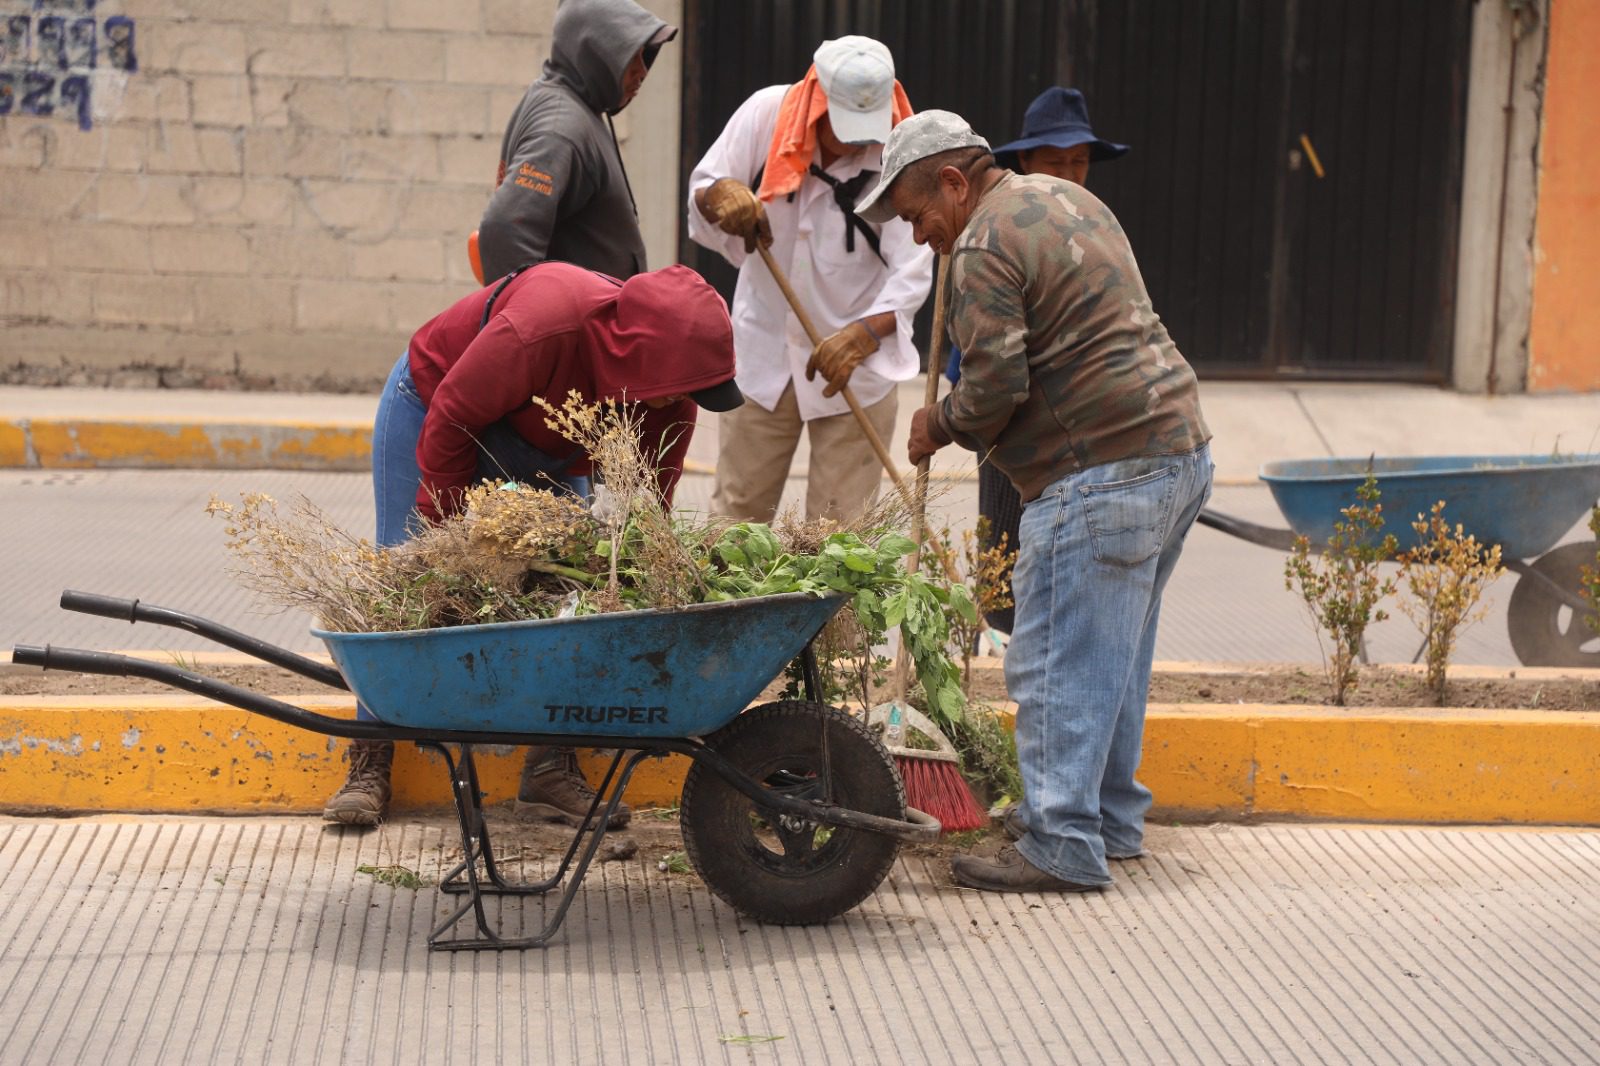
column 1523, row 503
column 792, row 812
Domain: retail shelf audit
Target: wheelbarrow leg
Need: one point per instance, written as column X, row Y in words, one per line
column 497, row 884
column 810, row 672
column 475, row 844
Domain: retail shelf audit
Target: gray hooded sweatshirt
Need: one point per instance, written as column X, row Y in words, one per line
column 562, row 193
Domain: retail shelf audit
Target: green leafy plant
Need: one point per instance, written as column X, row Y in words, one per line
column 749, row 560
column 988, row 750
column 988, row 754
column 675, row 862
column 1446, row 574
column 1342, row 586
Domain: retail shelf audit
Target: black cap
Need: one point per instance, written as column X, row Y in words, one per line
column 724, row 397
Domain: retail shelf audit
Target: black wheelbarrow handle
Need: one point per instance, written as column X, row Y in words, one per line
column 1266, row 536
column 102, row 662
column 917, row 828
column 137, row 611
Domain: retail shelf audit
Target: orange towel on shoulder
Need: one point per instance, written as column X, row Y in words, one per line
column 794, row 141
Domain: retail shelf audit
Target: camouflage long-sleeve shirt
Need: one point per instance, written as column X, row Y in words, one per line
column 1064, row 364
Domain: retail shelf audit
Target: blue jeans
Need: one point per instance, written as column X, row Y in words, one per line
column 396, row 476
column 1095, row 552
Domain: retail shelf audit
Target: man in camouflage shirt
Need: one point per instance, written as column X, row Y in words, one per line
column 1071, row 385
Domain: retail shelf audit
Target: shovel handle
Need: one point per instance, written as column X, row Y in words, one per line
column 849, row 396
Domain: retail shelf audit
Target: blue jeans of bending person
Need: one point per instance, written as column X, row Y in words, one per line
column 1095, row 552
column 396, row 477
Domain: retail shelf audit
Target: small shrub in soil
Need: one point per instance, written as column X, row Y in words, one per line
column 1446, row 574
column 1342, row 587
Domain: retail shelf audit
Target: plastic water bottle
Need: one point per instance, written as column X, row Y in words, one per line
column 894, row 729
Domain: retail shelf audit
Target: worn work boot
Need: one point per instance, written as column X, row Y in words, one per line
column 364, row 799
column 553, row 789
column 1008, row 871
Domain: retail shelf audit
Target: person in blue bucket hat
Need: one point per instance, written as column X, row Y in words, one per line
column 1056, row 140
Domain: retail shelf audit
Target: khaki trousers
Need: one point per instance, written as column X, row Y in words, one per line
column 756, row 446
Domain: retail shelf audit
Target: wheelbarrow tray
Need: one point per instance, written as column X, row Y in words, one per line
column 677, row 672
column 594, row 682
column 1524, row 503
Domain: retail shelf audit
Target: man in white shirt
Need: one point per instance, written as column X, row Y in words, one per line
column 810, row 150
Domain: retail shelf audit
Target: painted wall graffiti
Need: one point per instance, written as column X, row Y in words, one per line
column 50, row 53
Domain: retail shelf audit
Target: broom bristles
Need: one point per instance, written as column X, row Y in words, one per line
column 936, row 787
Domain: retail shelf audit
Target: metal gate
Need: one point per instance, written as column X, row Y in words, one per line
column 1294, row 187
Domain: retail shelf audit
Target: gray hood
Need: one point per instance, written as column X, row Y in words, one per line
column 591, row 45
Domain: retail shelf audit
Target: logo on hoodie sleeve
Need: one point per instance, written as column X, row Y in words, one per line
column 531, row 177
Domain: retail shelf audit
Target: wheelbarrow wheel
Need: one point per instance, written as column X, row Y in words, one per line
column 1544, row 630
column 782, row 870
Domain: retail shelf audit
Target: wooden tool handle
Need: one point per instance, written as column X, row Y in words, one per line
column 919, row 509
column 876, row 441
column 849, row 396
column 936, row 350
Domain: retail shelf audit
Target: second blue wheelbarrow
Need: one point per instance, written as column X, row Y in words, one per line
column 1523, row 503
column 792, row 812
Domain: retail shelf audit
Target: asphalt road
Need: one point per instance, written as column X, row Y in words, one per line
column 146, row 535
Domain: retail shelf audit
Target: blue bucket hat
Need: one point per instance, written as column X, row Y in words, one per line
column 1057, row 118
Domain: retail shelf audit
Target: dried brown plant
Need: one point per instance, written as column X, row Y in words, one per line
column 637, row 519
column 1446, row 574
column 451, row 573
column 987, row 574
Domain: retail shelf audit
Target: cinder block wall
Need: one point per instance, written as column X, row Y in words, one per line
column 278, row 187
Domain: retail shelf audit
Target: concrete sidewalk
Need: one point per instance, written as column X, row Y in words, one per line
column 168, row 940
column 1251, row 422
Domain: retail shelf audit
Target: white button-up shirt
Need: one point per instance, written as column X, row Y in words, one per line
column 835, row 286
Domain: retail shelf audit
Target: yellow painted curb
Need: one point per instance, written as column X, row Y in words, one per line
column 188, row 754
column 52, row 444
column 1451, row 765
column 183, row 753
column 13, row 445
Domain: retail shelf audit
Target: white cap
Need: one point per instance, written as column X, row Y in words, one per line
column 857, row 74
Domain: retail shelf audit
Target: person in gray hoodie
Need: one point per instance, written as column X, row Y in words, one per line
column 563, row 195
column 562, row 191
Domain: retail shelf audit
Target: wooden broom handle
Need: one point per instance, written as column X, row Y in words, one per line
column 919, row 510
column 937, row 347
column 936, row 354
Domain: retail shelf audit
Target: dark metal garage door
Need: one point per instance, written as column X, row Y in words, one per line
column 1294, row 188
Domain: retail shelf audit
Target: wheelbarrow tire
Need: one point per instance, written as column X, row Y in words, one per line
column 1544, row 631
column 775, row 870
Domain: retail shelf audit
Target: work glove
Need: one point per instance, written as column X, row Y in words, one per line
column 736, row 211
column 837, row 357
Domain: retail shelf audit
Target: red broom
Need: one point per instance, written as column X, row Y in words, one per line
column 933, row 780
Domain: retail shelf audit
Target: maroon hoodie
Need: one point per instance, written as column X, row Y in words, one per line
column 556, row 329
